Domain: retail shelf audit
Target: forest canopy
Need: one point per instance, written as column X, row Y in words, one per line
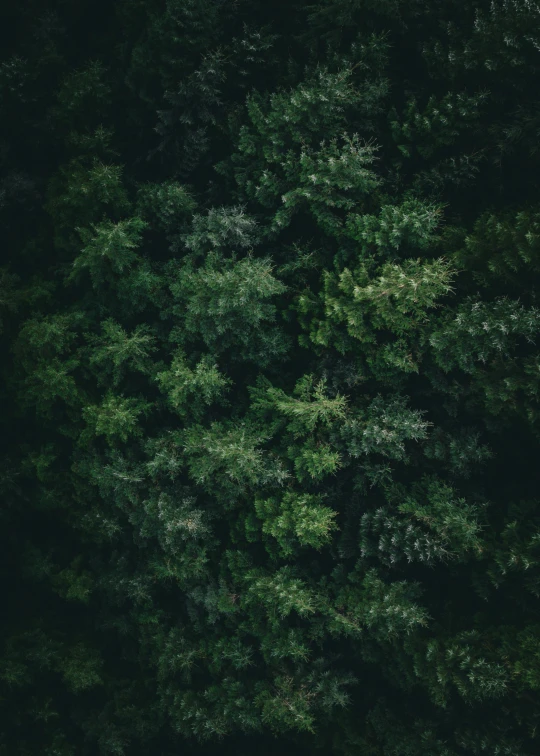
column 270, row 378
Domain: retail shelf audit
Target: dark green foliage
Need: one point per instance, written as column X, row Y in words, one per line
column 270, row 378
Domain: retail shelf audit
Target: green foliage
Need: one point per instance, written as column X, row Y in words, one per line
column 115, row 351
column 443, row 528
column 388, row 611
column 221, row 228
column 383, row 428
column 332, row 177
column 437, row 124
column 225, row 303
column 108, row 249
column 282, row 162
column 514, row 549
column 499, row 39
column 480, row 331
column 461, row 452
column 270, row 399
column 502, row 248
column 84, row 94
column 460, row 662
column 486, row 340
column 296, row 519
column 309, row 407
column 233, row 451
column 114, row 417
column 397, row 299
column 384, row 313
column 297, row 704
column 191, row 390
column 526, row 667
column 81, row 668
column 44, row 355
column 74, row 583
column 413, row 223
column 80, row 196
column 167, row 205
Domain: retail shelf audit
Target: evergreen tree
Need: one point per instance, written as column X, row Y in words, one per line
column 269, row 312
